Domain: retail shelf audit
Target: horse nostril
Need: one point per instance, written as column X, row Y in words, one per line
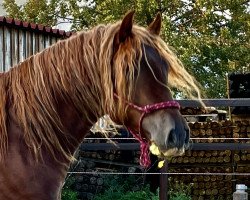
column 172, row 139
column 178, row 138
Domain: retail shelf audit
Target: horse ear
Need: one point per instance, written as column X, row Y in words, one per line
column 126, row 26
column 155, row 26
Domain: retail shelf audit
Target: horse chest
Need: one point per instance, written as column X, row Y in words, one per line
column 22, row 178
column 19, row 181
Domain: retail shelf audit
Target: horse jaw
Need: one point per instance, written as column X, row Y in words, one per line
column 158, row 127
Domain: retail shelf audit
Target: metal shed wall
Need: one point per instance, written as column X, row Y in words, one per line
column 19, row 40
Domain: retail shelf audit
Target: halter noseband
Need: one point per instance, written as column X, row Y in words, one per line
column 144, row 144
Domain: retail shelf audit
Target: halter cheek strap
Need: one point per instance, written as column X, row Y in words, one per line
column 144, row 144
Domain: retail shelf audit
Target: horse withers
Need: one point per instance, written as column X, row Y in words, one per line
column 49, row 102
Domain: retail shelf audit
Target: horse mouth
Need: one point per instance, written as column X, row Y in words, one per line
column 173, row 152
column 166, row 153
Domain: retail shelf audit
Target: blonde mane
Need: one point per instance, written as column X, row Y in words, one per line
column 78, row 69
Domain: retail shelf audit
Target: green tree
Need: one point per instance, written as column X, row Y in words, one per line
column 33, row 11
column 210, row 37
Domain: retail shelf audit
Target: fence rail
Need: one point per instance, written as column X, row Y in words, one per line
column 136, row 146
column 216, row 102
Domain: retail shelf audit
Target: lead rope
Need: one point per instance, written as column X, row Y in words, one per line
column 144, row 146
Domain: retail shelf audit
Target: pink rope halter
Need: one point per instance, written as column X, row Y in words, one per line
column 144, row 144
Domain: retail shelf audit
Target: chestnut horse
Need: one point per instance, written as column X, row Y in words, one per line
column 49, row 102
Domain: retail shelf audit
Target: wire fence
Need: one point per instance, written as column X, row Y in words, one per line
column 209, row 138
column 161, row 173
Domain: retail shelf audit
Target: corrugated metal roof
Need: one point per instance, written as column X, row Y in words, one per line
column 34, row 27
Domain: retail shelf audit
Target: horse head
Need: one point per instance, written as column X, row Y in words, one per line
column 151, row 114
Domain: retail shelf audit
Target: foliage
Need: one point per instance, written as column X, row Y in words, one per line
column 33, row 11
column 123, row 195
column 179, row 191
column 68, row 193
column 210, row 37
column 122, row 189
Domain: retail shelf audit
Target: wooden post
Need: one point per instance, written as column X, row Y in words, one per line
column 228, row 96
column 163, row 194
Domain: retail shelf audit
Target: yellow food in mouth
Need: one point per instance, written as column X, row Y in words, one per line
column 154, row 149
column 161, row 163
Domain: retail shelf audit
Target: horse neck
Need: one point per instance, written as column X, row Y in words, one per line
column 76, row 125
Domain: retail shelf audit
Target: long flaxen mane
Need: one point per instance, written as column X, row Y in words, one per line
column 85, row 71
